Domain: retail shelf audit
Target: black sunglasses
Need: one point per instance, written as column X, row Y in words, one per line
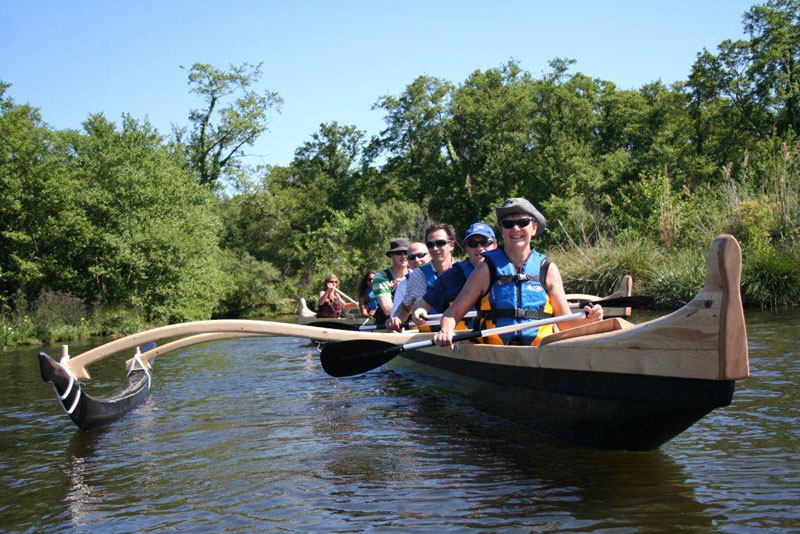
column 508, row 224
column 415, row 256
column 399, row 252
column 476, row 244
column 438, row 243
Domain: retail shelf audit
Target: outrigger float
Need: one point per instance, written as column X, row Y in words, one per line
column 611, row 384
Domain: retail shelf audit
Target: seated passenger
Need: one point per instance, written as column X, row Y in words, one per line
column 513, row 275
column 441, row 241
column 417, row 257
column 386, row 281
column 367, row 303
column 329, row 304
column 478, row 239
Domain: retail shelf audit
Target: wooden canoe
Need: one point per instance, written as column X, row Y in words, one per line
column 617, row 385
column 611, row 384
column 308, row 317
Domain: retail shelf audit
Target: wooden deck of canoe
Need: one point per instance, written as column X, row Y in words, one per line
column 610, row 385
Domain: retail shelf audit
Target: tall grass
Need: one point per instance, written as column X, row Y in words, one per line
column 598, row 269
column 771, row 277
column 61, row 317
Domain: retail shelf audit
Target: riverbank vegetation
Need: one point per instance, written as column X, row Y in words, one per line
column 124, row 226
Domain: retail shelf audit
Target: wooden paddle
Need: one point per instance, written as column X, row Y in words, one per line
column 342, row 293
column 610, row 302
column 348, row 358
column 370, row 327
column 616, row 302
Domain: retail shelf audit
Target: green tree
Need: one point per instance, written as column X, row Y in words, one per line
column 327, row 166
column 152, row 233
column 222, row 128
column 414, row 140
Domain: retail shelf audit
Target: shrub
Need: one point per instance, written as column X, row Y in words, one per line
column 771, row 277
column 598, row 270
column 53, row 310
column 677, row 278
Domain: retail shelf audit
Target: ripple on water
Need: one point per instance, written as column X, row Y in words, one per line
column 250, row 435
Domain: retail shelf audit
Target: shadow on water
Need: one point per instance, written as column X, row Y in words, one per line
column 439, row 448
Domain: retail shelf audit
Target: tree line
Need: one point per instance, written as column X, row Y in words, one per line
column 178, row 227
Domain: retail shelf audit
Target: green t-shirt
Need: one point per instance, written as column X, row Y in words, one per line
column 381, row 285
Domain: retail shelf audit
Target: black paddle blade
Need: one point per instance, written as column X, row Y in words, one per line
column 348, row 358
column 334, row 325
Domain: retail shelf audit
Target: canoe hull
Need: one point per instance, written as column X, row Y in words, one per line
column 86, row 411
column 307, row 317
column 593, row 409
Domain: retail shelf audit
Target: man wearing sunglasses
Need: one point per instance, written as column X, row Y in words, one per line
column 417, row 257
column 385, row 282
column 514, row 284
column 440, row 240
column 478, row 239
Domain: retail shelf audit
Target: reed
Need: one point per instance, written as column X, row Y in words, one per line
column 771, row 277
column 598, row 269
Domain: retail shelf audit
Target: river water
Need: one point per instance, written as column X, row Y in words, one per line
column 251, row 435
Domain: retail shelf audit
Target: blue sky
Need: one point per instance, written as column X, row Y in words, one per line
column 330, row 61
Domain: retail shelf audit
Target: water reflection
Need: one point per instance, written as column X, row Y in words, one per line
column 433, row 448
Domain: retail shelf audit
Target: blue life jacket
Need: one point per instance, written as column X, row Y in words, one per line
column 466, row 268
column 513, row 297
column 430, row 278
column 372, row 302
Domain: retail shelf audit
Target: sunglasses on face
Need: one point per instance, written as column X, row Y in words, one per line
column 476, row 244
column 508, row 224
column 438, row 243
column 332, row 282
column 399, row 253
column 417, row 256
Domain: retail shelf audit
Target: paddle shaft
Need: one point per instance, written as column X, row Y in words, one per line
column 431, row 318
column 499, row 330
column 472, row 335
column 616, row 302
column 342, row 293
column 354, row 357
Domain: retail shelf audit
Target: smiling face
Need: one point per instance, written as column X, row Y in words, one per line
column 476, row 245
column 440, row 252
column 399, row 258
column 518, row 236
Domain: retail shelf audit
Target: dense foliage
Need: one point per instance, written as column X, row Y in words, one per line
column 632, row 181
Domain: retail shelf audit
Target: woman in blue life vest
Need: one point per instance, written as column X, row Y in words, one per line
column 514, row 284
column 367, row 303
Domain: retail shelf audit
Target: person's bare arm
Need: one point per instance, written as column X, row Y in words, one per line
column 476, row 285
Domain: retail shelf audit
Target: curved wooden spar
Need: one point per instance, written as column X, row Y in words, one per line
column 346, row 296
column 78, row 364
column 150, row 355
